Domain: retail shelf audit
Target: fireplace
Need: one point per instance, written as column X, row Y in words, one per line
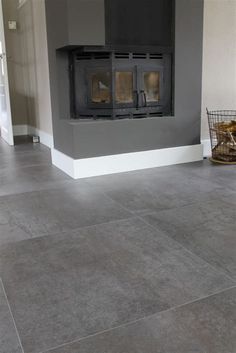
column 120, row 85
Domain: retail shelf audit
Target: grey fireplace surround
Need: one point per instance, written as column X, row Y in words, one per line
column 169, row 26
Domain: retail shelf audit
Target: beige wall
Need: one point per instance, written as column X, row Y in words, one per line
column 13, row 47
column 219, row 58
column 28, row 60
column 44, row 114
column 28, row 64
column 36, row 71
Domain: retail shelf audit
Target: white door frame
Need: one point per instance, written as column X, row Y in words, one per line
column 6, row 128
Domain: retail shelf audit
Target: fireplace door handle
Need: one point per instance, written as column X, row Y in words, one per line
column 137, row 99
column 144, row 98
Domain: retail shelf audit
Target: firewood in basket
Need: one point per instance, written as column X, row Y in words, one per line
column 224, row 150
column 226, row 126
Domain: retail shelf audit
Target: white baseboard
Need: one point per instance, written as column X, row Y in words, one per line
column 45, row 138
column 206, row 147
column 63, row 162
column 22, row 130
column 89, row 167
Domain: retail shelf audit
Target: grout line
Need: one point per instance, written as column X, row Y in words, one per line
column 138, row 320
column 32, row 237
column 9, row 308
column 130, row 215
column 48, row 187
column 82, row 227
column 33, row 165
column 221, row 270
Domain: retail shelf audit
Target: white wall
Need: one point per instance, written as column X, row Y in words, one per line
column 219, row 58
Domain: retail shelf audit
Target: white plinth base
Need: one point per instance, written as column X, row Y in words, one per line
column 89, row 167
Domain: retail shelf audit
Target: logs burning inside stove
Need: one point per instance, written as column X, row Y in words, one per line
column 120, row 85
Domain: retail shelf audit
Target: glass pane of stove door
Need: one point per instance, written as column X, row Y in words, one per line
column 124, row 87
column 152, row 86
column 101, row 87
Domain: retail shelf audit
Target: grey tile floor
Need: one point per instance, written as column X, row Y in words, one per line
column 141, row 262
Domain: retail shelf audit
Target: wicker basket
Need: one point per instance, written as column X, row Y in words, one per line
column 222, row 125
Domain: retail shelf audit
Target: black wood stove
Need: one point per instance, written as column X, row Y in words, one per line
column 120, row 85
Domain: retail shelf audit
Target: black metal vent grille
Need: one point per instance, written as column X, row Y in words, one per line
column 155, row 56
column 102, row 55
column 118, row 55
column 139, row 56
column 104, row 116
column 143, row 56
column 90, row 56
column 122, row 55
column 122, row 116
column 83, row 56
column 139, row 115
column 86, row 116
column 154, row 114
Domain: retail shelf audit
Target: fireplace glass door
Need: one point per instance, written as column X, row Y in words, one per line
column 100, row 88
column 137, row 87
column 124, row 88
column 134, row 87
column 151, row 87
column 151, row 81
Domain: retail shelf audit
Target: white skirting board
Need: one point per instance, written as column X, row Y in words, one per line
column 20, row 130
column 44, row 137
column 206, row 147
column 23, row 130
column 89, row 167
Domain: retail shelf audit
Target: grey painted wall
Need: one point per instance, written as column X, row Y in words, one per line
column 86, row 19
column 139, row 22
column 80, row 139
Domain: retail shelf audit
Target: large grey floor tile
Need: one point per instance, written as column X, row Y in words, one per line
column 68, row 286
column 31, row 178
column 10, row 230
column 216, row 247
column 4, row 148
column 156, row 189
column 230, row 197
column 9, row 342
column 207, row 229
column 21, row 160
column 21, row 146
column 27, row 167
column 207, row 326
column 224, row 175
column 55, row 210
column 215, row 214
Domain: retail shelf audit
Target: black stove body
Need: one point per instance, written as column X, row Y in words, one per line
column 120, row 85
